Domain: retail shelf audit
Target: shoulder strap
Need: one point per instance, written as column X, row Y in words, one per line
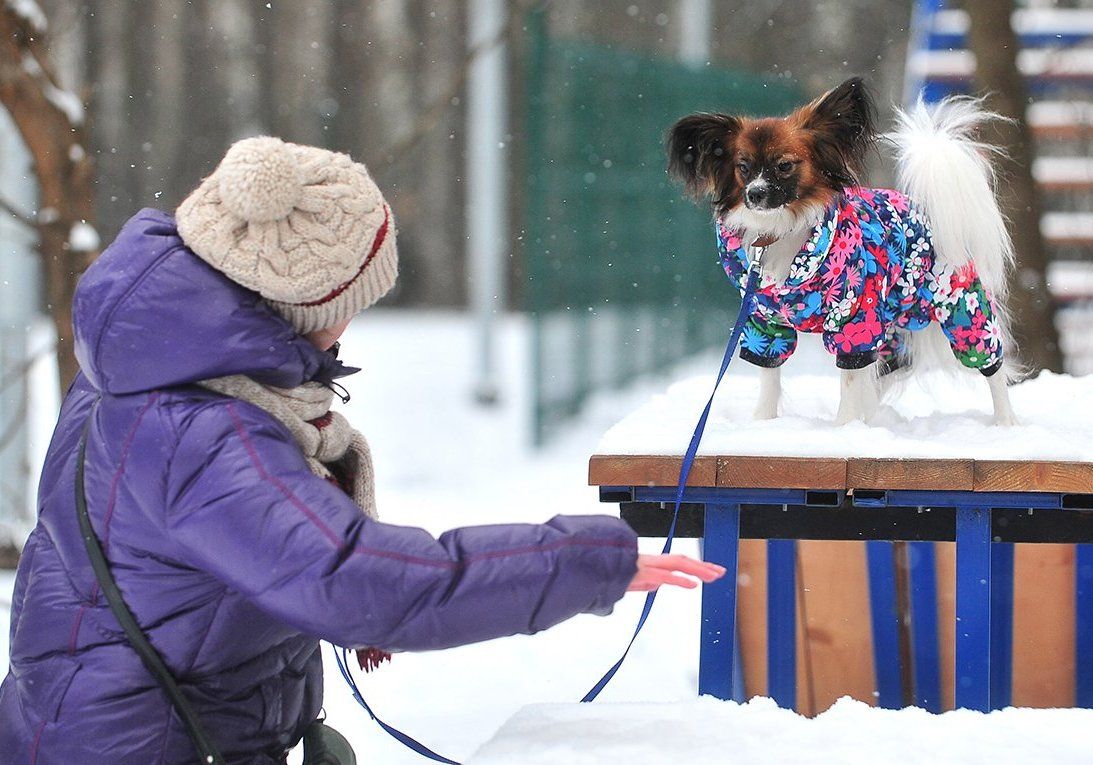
column 148, row 654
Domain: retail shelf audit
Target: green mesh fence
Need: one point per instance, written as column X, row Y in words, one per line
column 622, row 274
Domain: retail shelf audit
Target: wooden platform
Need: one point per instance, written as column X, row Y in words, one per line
column 833, row 600
column 835, row 473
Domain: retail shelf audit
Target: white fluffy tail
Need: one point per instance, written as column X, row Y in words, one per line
column 950, row 176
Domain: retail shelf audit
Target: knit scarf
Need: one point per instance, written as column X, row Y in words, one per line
column 333, row 449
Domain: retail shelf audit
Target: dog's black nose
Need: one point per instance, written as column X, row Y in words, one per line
column 757, row 195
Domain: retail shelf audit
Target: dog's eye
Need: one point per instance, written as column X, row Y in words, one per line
column 785, row 166
column 743, row 167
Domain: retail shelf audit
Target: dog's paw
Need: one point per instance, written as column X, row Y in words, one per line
column 765, row 412
column 1006, row 419
column 845, row 418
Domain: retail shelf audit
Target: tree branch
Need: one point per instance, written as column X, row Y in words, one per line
column 20, row 216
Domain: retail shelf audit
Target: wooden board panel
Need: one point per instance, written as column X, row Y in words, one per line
column 1043, row 626
column 839, row 640
column 869, row 473
column 755, row 472
column 832, row 623
column 781, row 472
column 945, row 555
column 751, row 615
column 1005, row 475
column 624, row 470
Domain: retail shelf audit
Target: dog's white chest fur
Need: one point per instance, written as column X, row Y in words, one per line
column 790, row 230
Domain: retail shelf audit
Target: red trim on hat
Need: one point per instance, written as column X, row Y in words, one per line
column 381, row 235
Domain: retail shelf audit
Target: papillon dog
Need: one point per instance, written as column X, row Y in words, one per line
column 886, row 276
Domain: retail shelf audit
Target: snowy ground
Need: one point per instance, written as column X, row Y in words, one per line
column 939, row 415
column 443, row 462
column 759, row 733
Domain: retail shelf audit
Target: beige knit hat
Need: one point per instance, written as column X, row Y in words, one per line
column 305, row 228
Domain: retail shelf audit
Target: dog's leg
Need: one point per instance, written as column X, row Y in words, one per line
column 770, row 391
column 1003, row 411
column 860, row 396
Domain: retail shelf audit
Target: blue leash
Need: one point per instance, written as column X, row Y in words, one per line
column 685, row 467
column 684, row 472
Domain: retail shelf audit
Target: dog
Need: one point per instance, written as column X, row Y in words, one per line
column 886, row 276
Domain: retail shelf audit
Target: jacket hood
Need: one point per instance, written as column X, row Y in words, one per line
column 150, row 314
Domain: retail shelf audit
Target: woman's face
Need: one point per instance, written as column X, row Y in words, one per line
column 326, row 337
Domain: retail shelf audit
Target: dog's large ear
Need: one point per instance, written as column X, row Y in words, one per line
column 699, row 150
column 843, row 127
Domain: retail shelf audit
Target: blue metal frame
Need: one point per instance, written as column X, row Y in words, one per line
column 984, row 597
column 885, row 622
column 1083, row 638
column 1001, row 625
column 717, row 653
column 782, row 622
column 926, row 658
column 973, row 608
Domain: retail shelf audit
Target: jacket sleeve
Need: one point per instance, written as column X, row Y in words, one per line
column 766, row 343
column 243, row 506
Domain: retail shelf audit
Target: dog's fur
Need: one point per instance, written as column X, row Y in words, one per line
column 772, row 179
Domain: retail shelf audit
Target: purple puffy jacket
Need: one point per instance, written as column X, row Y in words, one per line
column 233, row 556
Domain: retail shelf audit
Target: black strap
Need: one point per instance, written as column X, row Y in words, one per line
column 148, row 654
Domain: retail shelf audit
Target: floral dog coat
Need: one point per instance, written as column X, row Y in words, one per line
column 867, row 271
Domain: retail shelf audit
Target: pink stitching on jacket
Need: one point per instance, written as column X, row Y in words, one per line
column 37, row 742
column 94, row 597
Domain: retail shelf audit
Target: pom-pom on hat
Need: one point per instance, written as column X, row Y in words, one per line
column 305, row 228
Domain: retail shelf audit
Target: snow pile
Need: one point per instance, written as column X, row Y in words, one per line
column 710, row 731
column 938, row 415
column 83, row 237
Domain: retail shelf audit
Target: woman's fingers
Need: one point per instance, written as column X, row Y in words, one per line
column 656, row 570
column 705, row 571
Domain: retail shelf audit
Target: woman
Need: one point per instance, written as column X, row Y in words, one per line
column 234, row 508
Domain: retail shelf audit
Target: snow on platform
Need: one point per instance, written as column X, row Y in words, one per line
column 709, row 731
column 940, row 416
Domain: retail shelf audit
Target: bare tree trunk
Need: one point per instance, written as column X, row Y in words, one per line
column 168, row 153
column 50, row 121
column 106, row 80
column 205, row 130
column 440, row 25
column 236, row 24
column 298, row 61
column 141, row 103
column 350, row 80
column 995, row 46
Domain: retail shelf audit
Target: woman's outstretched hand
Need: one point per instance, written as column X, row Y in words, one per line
column 655, row 570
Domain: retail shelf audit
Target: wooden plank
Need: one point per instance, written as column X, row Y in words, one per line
column 909, row 474
column 1006, row 475
column 648, row 470
column 835, row 599
column 1043, row 626
column 833, row 638
column 781, row 472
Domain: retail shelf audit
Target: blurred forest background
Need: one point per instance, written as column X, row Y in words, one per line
column 171, row 83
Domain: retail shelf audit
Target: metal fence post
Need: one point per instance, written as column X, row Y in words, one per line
column 973, row 608
column 782, row 622
column 717, row 656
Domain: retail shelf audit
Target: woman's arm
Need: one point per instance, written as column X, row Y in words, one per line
column 243, row 506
